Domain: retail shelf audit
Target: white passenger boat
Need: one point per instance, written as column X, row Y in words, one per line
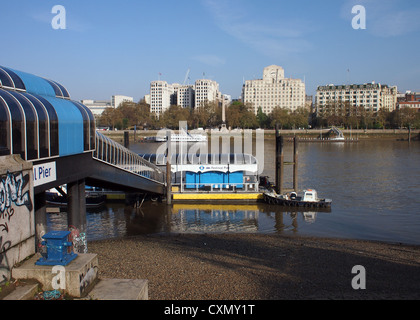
column 183, row 137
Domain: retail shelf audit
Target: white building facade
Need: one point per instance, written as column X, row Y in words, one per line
column 160, row 96
column 99, row 106
column 274, row 91
column 206, row 91
column 96, row 106
column 185, row 96
column 118, row 99
column 163, row 95
column 371, row 96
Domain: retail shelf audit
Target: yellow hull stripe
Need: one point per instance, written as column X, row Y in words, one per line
column 217, row 196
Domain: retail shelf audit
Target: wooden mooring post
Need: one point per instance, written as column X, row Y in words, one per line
column 126, row 139
column 280, row 163
column 295, row 163
column 409, row 133
column 168, row 169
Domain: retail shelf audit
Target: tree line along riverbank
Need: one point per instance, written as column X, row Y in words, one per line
column 360, row 134
column 240, row 115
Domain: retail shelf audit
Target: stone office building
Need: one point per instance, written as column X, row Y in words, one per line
column 274, row 90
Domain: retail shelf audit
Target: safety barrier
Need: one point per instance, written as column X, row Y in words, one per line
column 113, row 153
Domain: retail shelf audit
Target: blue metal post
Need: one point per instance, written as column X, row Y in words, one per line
column 58, row 249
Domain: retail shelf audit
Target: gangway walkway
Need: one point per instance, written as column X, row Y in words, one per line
column 116, row 165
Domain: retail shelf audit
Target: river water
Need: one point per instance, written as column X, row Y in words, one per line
column 374, row 185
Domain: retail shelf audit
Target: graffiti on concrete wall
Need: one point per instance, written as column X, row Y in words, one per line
column 12, row 197
column 11, row 191
column 86, row 279
column 4, row 264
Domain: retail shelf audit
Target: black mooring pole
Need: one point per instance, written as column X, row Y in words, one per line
column 295, row 163
column 279, row 161
column 168, row 169
column 126, row 139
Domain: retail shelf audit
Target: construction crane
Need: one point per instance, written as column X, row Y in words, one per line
column 187, row 77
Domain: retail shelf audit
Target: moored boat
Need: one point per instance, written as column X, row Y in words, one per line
column 57, row 200
column 186, row 137
column 309, row 199
column 183, row 136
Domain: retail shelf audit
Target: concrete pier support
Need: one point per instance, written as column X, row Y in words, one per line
column 40, row 218
column 76, row 215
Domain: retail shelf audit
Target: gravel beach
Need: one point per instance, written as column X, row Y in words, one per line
column 260, row 267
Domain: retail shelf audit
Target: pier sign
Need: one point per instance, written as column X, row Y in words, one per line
column 44, row 173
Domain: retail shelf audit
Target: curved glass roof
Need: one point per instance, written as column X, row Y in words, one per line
column 38, row 120
column 22, row 81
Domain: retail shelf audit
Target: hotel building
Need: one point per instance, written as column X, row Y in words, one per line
column 274, row 91
column 372, row 96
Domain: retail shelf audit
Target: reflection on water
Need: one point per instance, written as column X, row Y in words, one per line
column 222, row 218
column 374, row 186
column 119, row 220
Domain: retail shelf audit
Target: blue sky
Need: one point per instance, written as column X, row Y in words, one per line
column 118, row 47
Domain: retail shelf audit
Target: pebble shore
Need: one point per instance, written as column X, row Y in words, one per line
column 260, row 267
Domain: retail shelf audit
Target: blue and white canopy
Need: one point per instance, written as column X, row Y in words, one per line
column 39, row 120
